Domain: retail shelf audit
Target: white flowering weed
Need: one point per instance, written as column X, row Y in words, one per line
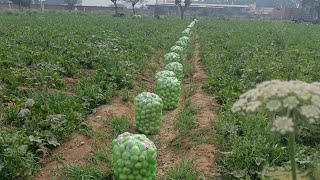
column 283, row 97
column 283, row 125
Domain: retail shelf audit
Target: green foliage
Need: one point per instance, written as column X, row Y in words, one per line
column 248, row 145
column 184, row 171
column 185, row 120
column 76, row 172
column 237, row 55
column 68, row 63
column 120, row 125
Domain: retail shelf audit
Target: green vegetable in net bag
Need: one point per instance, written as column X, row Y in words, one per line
column 134, row 157
column 165, row 73
column 178, row 49
column 191, row 24
column 177, row 68
column 168, row 88
column 182, row 44
column 184, row 39
column 186, row 32
column 148, row 109
column 171, row 57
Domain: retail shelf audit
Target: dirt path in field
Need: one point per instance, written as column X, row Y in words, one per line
column 204, row 154
column 166, row 157
column 77, row 148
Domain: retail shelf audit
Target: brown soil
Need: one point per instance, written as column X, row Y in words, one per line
column 203, row 154
column 75, row 150
column 70, row 80
column 166, row 157
column 117, row 108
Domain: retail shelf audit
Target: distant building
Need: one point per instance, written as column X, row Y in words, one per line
column 168, row 7
column 54, row 2
column 58, row 2
column 96, row 3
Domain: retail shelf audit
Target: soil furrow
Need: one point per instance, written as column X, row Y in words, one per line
column 203, row 154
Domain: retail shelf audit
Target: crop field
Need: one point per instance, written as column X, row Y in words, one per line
column 72, row 83
column 238, row 56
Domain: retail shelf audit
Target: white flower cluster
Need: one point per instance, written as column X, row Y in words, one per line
column 277, row 95
column 283, row 125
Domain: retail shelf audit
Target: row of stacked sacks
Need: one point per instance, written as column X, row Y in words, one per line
column 134, row 155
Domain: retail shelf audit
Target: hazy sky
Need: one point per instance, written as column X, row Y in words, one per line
column 106, row 2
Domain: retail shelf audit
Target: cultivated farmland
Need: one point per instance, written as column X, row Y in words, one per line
column 70, row 85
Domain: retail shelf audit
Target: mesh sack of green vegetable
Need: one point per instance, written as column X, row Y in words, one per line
column 164, row 73
column 168, row 88
column 184, row 39
column 182, row 44
column 171, row 57
column 191, row 24
column 148, row 113
column 178, row 49
column 186, row 32
column 177, row 68
column 134, row 157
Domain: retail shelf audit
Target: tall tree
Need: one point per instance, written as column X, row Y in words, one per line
column 133, row 3
column 313, row 6
column 71, row 3
column 183, row 4
column 115, row 5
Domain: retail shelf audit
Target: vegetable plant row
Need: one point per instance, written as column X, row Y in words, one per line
column 56, row 67
column 265, row 75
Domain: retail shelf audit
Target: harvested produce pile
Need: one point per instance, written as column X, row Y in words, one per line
column 164, row 73
column 177, row 68
column 168, row 88
column 134, row 157
column 178, row 49
column 148, row 108
column 172, row 57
